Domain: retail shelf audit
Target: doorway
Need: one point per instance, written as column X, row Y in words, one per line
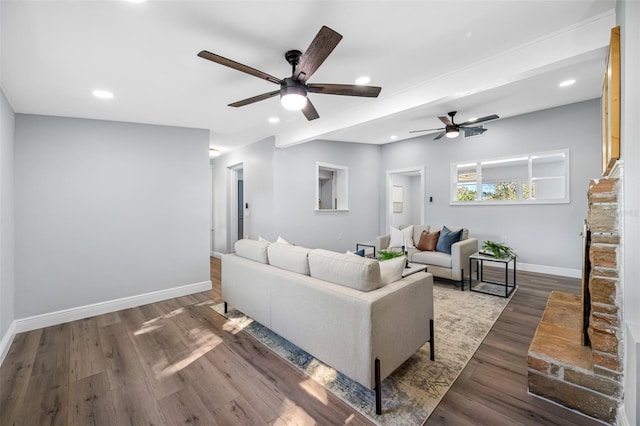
column 405, row 197
column 235, row 215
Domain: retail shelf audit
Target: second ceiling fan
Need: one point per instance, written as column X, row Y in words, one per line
column 452, row 129
column 293, row 90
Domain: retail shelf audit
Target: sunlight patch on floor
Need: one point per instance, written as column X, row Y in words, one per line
column 313, row 389
column 203, row 345
column 294, row 416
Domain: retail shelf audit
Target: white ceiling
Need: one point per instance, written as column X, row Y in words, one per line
column 477, row 57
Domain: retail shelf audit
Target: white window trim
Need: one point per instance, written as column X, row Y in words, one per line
column 453, row 179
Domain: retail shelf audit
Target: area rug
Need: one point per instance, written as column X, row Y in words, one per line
column 412, row 392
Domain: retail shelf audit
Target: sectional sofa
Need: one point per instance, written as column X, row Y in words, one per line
column 355, row 314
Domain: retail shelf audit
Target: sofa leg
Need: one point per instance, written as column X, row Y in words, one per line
column 461, row 279
column 225, row 307
column 432, row 342
column 378, row 387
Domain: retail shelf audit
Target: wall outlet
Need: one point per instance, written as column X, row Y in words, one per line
column 504, row 239
column 340, row 235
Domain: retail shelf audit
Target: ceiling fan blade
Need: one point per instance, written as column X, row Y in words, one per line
column 238, row 66
column 345, row 89
column 441, row 134
column 255, row 99
column 473, row 129
column 446, row 121
column 321, row 46
column 425, row 130
column 309, row 111
column 480, row 120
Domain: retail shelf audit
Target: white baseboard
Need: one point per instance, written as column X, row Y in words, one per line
column 551, row 270
column 6, row 341
column 622, row 418
column 80, row 312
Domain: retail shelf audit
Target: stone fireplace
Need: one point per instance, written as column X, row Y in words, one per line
column 560, row 367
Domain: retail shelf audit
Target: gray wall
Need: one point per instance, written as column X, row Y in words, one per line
column 546, row 235
column 542, row 234
column 7, row 121
column 257, row 163
column 280, row 188
column 295, row 184
column 106, row 210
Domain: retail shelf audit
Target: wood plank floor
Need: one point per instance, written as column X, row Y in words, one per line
column 177, row 362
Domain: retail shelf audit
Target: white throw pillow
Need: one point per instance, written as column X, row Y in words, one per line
column 401, row 237
column 263, row 240
column 282, row 240
column 391, row 270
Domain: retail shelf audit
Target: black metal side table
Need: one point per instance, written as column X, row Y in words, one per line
column 480, row 259
column 365, row 246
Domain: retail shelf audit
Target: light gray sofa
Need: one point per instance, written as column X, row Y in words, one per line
column 332, row 305
column 442, row 265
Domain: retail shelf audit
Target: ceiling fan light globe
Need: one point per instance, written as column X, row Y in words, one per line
column 453, row 133
column 293, row 101
column 293, row 96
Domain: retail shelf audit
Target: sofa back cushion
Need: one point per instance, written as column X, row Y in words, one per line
column 289, row 257
column 357, row 272
column 252, row 249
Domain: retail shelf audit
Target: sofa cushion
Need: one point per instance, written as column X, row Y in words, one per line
column 447, row 238
column 289, row 257
column 401, row 237
column 391, row 270
column 360, row 273
column 252, row 249
column 434, row 258
column 428, row 241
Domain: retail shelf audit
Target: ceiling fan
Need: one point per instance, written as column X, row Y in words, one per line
column 452, row 129
column 293, row 90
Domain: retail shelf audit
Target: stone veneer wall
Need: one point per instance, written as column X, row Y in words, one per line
column 587, row 379
column 605, row 323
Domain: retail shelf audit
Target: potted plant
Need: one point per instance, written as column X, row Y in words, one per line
column 388, row 254
column 498, row 250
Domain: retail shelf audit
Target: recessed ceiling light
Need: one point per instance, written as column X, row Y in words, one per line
column 363, row 80
column 102, row 94
column 135, row 1
column 274, row 120
column 393, row 137
column 566, row 83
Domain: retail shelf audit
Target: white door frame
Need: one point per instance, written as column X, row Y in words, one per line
column 232, row 205
column 388, row 200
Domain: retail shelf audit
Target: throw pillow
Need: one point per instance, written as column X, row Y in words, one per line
column 263, row 240
column 359, row 253
column 401, row 237
column 428, row 241
column 282, row 240
column 391, row 270
column 447, row 239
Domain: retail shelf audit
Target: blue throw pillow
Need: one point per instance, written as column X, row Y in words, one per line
column 359, row 252
column 446, row 239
